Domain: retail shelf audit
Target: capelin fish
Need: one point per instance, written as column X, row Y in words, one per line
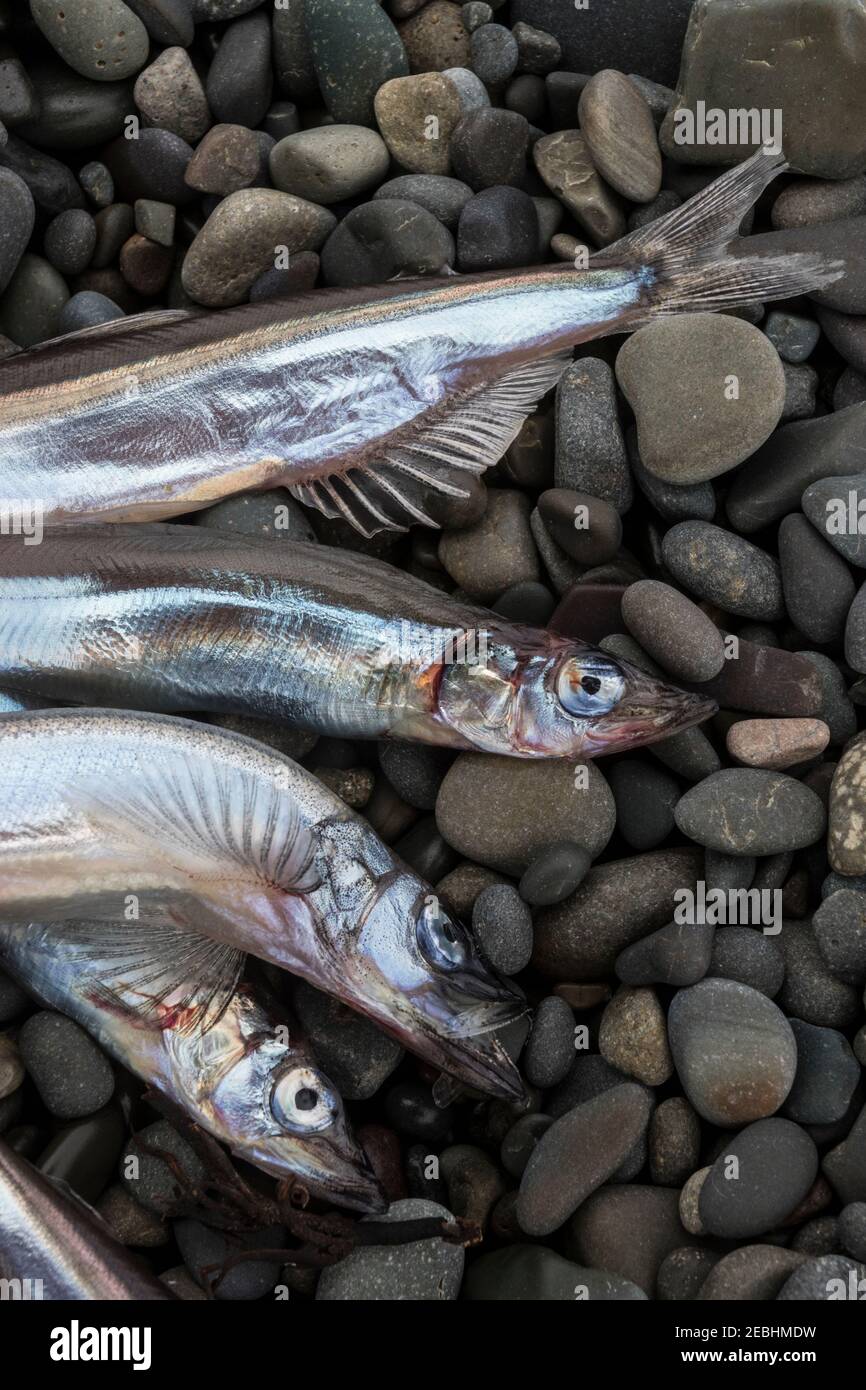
column 102, row 810
column 238, row 1066
column 57, row 1248
column 178, row 618
column 365, row 404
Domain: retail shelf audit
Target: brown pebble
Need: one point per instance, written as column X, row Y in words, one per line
column 227, row 159
column 619, row 129
column 145, row 265
column 633, row 1036
column 776, row 743
column 689, row 1199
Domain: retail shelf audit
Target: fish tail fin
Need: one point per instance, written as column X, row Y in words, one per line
column 685, row 259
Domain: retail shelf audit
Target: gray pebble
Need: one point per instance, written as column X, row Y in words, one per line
column 72, row 1075
column 556, row 871
column 747, row 955
column 502, row 924
column 70, row 240
column 549, row 1051
column 827, row 1075
column 426, row 1270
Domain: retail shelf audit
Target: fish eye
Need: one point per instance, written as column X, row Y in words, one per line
column 593, row 685
column 443, row 943
column 302, row 1100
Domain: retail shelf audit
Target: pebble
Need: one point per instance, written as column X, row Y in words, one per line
column 422, row 1271
column 144, row 265
column 85, row 310
column 645, row 797
column 502, row 926
column 53, row 186
column 578, row 1153
column 725, row 569
column 845, row 1166
column 831, row 504
column 805, row 202
column 674, row 1142
column 748, row 956
column 114, row 225
column 105, row 42
column 498, row 811
column 167, row 21
column 97, row 183
column 382, row 239
column 489, row 148
column 753, row 1273
column 673, row 630
column 852, row 1229
column 633, row 1036
column 493, row 54
column 239, row 81
column 827, row 1075
column 533, row 1273
column 148, row 1179
column 840, row 931
column 555, row 872
column 846, row 845
column 588, row 528
column 828, row 1278
column 32, row 301
column 470, row 89
column 498, row 230
column 417, row 117
column 751, row 811
column 85, row 1154
column 355, row 1055
column 707, row 427
column 70, row 239
column 237, row 242
column 355, row 49
column 776, row 743
column 17, row 216
column 766, row 680
column 590, row 450
column 170, row 94
column 18, row 100
column 628, row 1230
column 816, row 582
column 565, row 164
column 810, row 991
column 227, row 159
column 155, row 221
column 202, row 1246
column 415, row 771
column 617, row 903
column 531, row 603
column 152, row 166
column 549, row 1051
column 619, row 130
column 539, row 52
column 131, row 1223
column 496, row 551
column 474, row 1184
column 594, row 37
column 683, row 1272
column 444, row 197
column 733, row 1050
column 436, row 39
column 678, row 954
column 793, row 336
column 475, row 13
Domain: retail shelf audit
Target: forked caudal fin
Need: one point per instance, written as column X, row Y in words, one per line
column 685, row 252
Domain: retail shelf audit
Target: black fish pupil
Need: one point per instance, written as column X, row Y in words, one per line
column 306, row 1099
column 591, row 685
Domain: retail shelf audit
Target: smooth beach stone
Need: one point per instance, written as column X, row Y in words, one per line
column 237, row 242
column 752, row 1273
column 73, row 112
column 499, row 811
column 645, row 798
column 355, row 49
column 103, row 41
column 829, row 1277
column 18, row 100
column 590, row 449
column 239, row 80
column 628, row 1229
column 776, row 743
column 751, row 811
column 495, row 552
column 440, row 195
column 708, row 425
column 417, row 117
column 675, row 631
column 619, row 130
column 725, row 569
column 845, row 1166
column 380, row 240
column 170, row 94
column 810, row 991
column 502, row 926
column 632, row 1036
column 489, row 147
column 767, row 680
column 498, row 230
column 329, row 164
column 564, row 162
column 53, row 185
column 227, row 159
column 840, row 930
column 152, row 166
column 793, row 336
column 549, row 1051
column 17, row 216
column 470, row 89
column 32, row 301
column 846, row 842
column 532, row 1273
column 436, row 39
column 758, row 1179
column 73, row 1076
column 827, row 1075
column 578, row 1153
column 835, row 506
column 598, row 36
column 816, row 582
column 422, row 1271
column 167, row 21
column 674, row 955
column 733, row 1050
column 493, row 54
column 554, row 873
column 70, row 240
column 588, row 528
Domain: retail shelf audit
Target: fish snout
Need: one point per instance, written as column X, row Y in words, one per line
column 650, row 710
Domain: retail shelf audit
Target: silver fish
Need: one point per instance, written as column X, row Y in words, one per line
column 179, row 618
column 56, row 1247
column 105, row 814
column 365, row 403
column 235, row 1064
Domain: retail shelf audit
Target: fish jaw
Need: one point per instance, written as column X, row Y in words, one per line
column 650, row 710
column 333, row 1167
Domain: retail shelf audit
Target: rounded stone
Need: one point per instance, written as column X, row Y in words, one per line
column 152, row 166
column 417, row 117
column 500, row 811
column 549, row 1051
column 329, row 164
column 494, row 553
column 733, row 1050
column 72, row 1075
column 238, row 241
column 762, row 1174
column 846, row 843
column 746, row 955
column 673, row 630
column 645, row 797
column 169, row 94
column 555, row 872
column 444, row 197
column 17, row 216
column 85, row 310
column 227, row 159
column 674, row 1142
column 840, row 931
column 32, row 301
column 494, row 54
column 239, row 80
column 827, row 1076
column 725, row 569
column 587, row 528
column 424, row 1270
column 620, row 132
column 633, row 1037
column 498, row 230
column 382, row 239
column 105, row 42
column 532, row 1273
column 776, row 743
column 436, row 38
column 751, row 811
column 502, row 925
column 355, row 49
column 565, row 164
column 489, row 147
column 706, row 427
column 816, row 581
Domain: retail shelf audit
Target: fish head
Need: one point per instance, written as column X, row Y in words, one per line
column 278, row 1110
column 538, row 695
column 436, row 993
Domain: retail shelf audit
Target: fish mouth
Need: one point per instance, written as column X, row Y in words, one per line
column 350, row 1182
column 481, row 1003
column 649, row 711
column 483, row 1064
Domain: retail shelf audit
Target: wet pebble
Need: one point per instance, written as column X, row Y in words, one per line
column 239, row 80
column 761, row 1175
column 71, row 1073
column 226, row 160
column 725, row 569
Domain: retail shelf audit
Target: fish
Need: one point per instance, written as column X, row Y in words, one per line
column 54, row 1246
column 233, row 1061
column 364, row 403
column 137, row 820
column 179, row 619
